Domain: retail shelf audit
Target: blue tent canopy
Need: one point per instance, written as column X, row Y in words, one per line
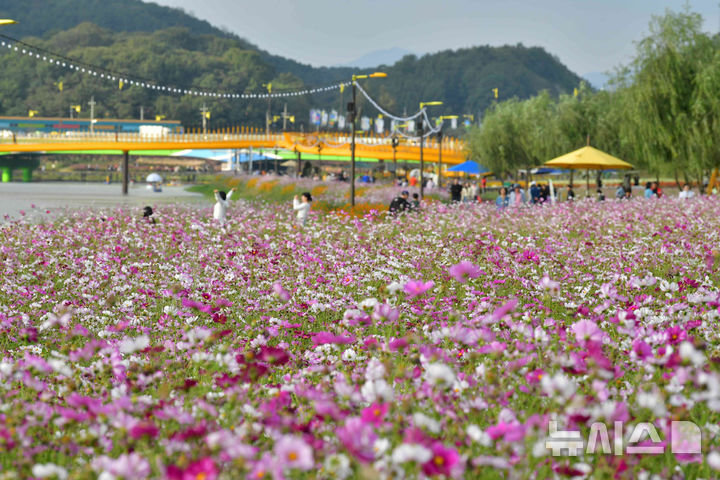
column 548, row 171
column 469, row 167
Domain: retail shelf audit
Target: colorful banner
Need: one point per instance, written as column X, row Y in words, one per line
column 365, row 124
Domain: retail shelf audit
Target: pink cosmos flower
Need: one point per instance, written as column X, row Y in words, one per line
column 551, row 286
column 416, row 288
column 322, row 338
column 442, row 461
column 464, row 271
column 384, row 312
column 128, row 466
column 293, row 452
column 359, row 439
column 375, row 413
column 587, row 331
column 675, row 335
column 281, row 292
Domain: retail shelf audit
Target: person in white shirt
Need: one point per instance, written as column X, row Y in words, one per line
column 221, row 204
column 302, row 207
column 686, row 192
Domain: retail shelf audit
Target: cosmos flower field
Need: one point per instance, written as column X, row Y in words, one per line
column 437, row 344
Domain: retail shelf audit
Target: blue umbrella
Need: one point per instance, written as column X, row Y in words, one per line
column 469, row 167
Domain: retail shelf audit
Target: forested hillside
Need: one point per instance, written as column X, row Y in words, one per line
column 168, row 46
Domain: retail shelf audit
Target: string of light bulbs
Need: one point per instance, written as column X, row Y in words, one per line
column 422, row 112
column 122, row 79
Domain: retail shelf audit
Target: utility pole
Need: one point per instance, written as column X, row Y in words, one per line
column 204, row 110
column 439, row 170
column 421, row 127
column 92, row 114
column 285, row 116
column 142, row 113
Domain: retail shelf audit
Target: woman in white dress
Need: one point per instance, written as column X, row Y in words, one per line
column 302, row 207
column 221, row 204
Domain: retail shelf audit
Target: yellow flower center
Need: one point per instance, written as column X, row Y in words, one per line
column 200, row 476
column 439, row 461
column 376, row 412
column 292, row 456
column 260, row 474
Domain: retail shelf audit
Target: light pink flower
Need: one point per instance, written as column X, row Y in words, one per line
column 416, row 288
column 293, row 452
column 464, row 271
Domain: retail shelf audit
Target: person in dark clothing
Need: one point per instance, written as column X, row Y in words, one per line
column 147, row 214
column 415, row 205
column 400, row 204
column 544, row 193
column 534, row 193
column 570, row 193
column 456, row 191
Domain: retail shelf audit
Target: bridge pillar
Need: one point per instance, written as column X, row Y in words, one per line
column 125, row 172
column 26, row 174
column 6, row 174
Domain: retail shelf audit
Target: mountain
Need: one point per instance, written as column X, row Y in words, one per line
column 171, row 47
column 379, row 57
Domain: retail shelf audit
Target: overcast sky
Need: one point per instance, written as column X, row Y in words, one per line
column 587, row 35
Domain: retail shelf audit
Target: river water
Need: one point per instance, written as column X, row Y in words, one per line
column 37, row 199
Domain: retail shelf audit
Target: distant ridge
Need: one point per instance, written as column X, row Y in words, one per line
column 388, row 56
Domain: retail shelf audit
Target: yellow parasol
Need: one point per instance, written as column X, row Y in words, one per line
column 588, row 158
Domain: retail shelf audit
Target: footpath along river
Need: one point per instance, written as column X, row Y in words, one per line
column 36, row 199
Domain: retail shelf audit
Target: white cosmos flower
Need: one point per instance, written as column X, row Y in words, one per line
column 48, row 470
column 133, row 344
column 439, row 374
column 422, row 420
column 411, row 452
column 713, row 460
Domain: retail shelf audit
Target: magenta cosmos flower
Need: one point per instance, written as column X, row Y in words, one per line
column 204, row 468
column 375, row 413
column 293, row 452
column 442, row 461
column 416, row 288
column 464, row 271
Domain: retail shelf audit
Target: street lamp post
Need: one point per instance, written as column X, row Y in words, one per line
column 352, row 110
column 395, row 143
column 421, row 129
column 439, row 139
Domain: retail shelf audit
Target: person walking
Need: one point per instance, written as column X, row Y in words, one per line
column 302, row 207
column 222, row 200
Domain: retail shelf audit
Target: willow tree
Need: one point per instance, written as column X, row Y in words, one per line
column 515, row 134
column 662, row 118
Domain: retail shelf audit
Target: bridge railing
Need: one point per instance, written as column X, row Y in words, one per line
column 281, row 140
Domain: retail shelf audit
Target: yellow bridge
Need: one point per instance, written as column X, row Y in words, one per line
column 452, row 151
